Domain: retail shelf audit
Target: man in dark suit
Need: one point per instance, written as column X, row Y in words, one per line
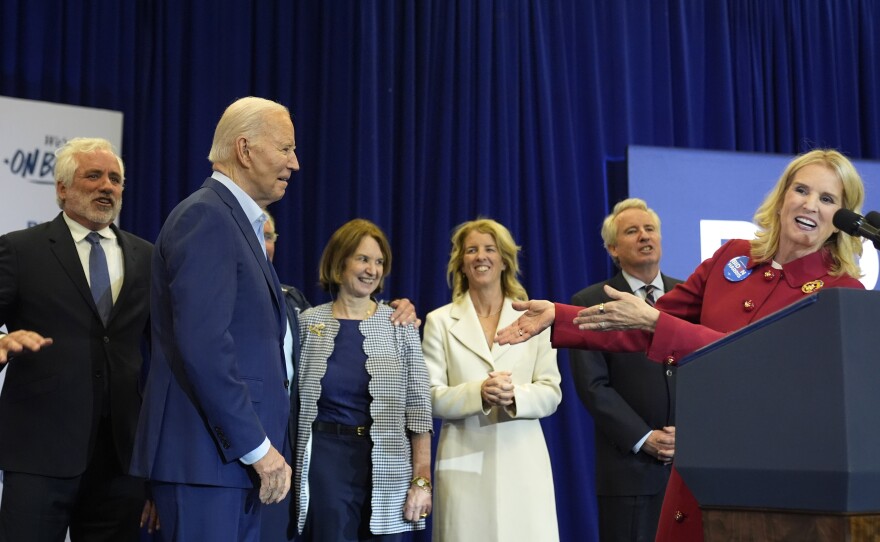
column 630, row 398
column 68, row 410
column 216, row 402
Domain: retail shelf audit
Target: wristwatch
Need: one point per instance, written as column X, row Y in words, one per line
column 422, row 483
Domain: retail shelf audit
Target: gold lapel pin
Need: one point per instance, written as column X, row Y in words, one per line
column 317, row 329
column 812, row 286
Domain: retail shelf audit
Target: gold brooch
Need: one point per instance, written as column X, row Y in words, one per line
column 812, row 286
column 317, row 329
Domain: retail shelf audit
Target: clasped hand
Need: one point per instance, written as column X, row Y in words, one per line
column 497, row 390
column 661, row 444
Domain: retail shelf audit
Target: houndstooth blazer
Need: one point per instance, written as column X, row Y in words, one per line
column 401, row 404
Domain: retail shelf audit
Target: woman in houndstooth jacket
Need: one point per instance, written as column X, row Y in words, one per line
column 363, row 454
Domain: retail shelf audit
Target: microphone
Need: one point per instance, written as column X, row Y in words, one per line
column 855, row 224
column 873, row 219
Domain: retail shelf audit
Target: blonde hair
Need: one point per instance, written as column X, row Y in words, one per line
column 843, row 248
column 507, row 247
column 342, row 244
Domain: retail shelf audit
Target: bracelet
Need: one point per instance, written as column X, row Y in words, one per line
column 422, row 483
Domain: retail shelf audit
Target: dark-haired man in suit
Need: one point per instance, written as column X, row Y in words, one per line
column 630, row 398
column 74, row 295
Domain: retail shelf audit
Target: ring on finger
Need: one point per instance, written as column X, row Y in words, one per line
column 423, row 515
column 520, row 333
column 602, row 325
column 601, row 308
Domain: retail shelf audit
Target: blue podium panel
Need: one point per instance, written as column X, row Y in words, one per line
column 785, row 413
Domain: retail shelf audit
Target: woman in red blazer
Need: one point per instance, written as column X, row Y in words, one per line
column 798, row 252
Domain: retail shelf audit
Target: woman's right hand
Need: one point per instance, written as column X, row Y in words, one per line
column 627, row 311
column 539, row 316
column 497, row 390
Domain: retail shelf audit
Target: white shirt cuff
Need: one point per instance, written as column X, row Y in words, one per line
column 252, row 457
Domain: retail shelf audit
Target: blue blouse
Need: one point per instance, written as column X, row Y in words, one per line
column 345, row 396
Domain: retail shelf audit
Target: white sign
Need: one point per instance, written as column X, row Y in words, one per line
column 30, row 133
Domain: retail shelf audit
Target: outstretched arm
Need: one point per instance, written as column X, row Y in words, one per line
column 19, row 341
column 539, row 316
column 625, row 312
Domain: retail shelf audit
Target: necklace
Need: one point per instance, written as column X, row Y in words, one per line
column 489, row 315
column 340, row 311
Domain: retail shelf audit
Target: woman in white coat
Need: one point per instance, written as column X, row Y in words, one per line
column 492, row 477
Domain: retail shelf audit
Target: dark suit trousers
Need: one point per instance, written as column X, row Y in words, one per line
column 102, row 504
column 629, row 518
column 195, row 513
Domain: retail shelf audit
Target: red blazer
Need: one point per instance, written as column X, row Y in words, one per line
column 695, row 313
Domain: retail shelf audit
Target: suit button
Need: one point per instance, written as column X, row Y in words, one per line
column 106, row 340
column 769, row 275
column 286, row 383
column 668, row 372
column 679, row 516
column 749, row 305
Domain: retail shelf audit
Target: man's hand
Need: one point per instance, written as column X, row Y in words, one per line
column 539, row 316
column 274, row 475
column 404, row 313
column 20, row 340
column 150, row 517
column 661, row 444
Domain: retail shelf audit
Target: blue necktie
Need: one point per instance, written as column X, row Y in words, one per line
column 99, row 277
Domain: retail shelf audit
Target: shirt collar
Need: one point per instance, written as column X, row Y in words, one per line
column 79, row 232
column 635, row 284
column 806, row 268
column 251, row 210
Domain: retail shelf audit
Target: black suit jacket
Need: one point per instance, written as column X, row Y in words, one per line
column 278, row 522
column 53, row 399
column 295, row 302
column 627, row 395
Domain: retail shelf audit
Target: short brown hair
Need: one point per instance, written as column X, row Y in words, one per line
column 342, row 244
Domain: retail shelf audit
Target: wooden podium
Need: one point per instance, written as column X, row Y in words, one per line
column 778, row 424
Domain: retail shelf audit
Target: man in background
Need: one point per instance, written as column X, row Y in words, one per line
column 630, row 397
column 74, row 296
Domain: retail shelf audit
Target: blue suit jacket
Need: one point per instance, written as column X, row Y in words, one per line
column 217, row 382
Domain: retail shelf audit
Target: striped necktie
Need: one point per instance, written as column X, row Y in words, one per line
column 649, row 294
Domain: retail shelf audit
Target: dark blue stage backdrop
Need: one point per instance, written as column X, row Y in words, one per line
column 420, row 115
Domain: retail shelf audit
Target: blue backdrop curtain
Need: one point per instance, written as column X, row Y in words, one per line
column 421, row 115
